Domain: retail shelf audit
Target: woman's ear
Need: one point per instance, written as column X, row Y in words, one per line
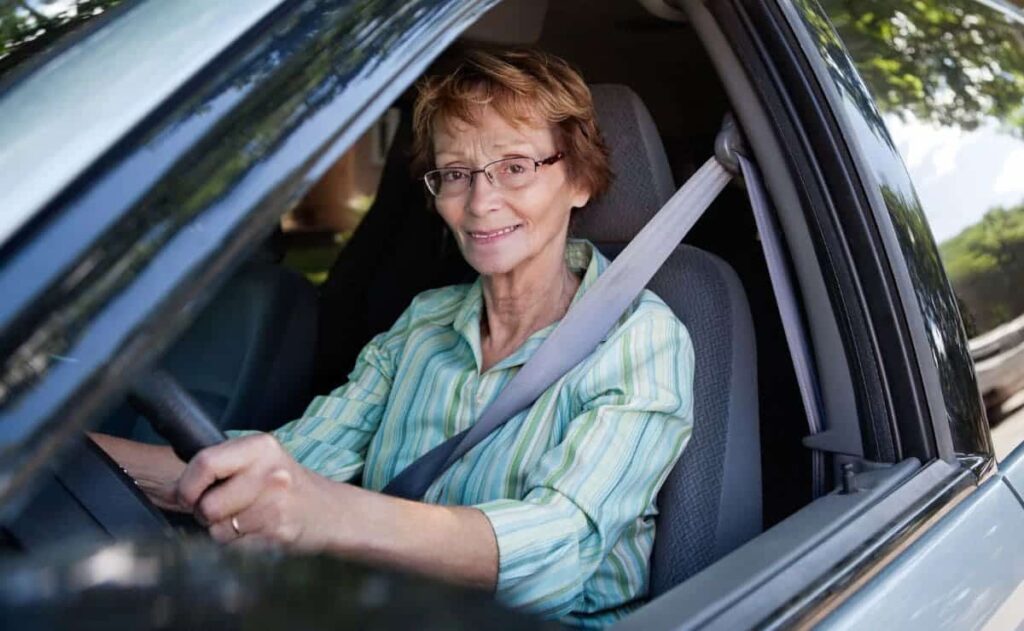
column 580, row 197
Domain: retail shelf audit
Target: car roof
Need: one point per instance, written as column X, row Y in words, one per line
column 65, row 114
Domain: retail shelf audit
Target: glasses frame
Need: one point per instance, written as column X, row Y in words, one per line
column 490, row 178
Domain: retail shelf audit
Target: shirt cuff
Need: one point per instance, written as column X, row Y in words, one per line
column 333, row 463
column 539, row 554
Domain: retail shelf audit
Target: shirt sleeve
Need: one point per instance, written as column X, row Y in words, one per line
column 603, row 477
column 332, row 435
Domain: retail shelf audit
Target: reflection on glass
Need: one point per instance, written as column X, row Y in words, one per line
column 30, row 27
column 949, row 79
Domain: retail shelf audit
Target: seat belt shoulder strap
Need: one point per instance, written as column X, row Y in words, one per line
column 582, row 328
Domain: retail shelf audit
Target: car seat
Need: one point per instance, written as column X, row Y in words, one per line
column 711, row 502
column 400, row 249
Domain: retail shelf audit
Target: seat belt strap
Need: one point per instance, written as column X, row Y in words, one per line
column 583, row 327
column 785, row 298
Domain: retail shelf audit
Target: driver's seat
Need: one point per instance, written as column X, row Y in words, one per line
column 711, row 502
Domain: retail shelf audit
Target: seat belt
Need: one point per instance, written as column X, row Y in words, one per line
column 583, row 327
column 730, row 150
column 792, row 324
column 589, row 320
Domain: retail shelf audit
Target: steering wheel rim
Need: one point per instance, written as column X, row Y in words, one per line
column 89, row 494
column 174, row 414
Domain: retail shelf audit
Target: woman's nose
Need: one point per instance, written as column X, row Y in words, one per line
column 483, row 196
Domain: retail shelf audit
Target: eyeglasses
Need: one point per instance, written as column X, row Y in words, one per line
column 506, row 174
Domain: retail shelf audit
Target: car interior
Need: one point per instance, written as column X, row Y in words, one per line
column 272, row 338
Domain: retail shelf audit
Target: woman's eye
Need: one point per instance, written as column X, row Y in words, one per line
column 452, row 176
column 513, row 168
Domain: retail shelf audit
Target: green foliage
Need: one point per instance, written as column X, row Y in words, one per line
column 951, row 62
column 27, row 28
column 985, row 263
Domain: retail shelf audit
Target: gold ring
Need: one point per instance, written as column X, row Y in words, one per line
column 234, row 524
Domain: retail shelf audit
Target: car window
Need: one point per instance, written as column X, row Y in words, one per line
column 320, row 225
column 949, row 79
column 29, row 28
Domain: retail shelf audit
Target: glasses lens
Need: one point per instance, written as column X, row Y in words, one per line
column 512, row 173
column 447, row 182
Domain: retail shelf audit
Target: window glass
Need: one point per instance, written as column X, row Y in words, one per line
column 948, row 77
column 319, row 226
column 31, row 27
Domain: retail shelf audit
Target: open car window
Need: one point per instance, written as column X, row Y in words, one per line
column 956, row 150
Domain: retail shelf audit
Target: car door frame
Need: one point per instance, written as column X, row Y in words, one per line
column 765, row 54
column 110, row 269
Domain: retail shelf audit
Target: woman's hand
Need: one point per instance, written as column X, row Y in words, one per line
column 253, row 482
column 251, row 489
column 154, row 468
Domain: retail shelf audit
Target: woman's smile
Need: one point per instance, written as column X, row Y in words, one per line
column 487, row 237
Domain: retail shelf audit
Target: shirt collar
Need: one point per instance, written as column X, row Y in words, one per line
column 580, row 254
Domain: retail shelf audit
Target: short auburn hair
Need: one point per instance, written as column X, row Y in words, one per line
column 525, row 87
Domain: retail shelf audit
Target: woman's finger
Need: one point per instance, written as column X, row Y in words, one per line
column 269, row 518
column 224, row 531
column 254, row 542
column 237, row 493
column 223, row 461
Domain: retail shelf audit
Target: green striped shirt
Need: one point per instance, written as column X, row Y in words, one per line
column 568, row 485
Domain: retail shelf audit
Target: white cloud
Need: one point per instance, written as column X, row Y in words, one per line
column 959, row 175
column 1011, row 178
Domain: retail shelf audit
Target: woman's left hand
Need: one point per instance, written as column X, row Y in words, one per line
column 251, row 489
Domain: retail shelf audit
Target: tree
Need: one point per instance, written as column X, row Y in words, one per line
column 26, row 31
column 954, row 62
column 985, row 263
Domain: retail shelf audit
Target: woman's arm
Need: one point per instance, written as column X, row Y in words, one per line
column 155, row 469
column 591, row 496
column 271, row 497
column 352, row 413
column 452, row 543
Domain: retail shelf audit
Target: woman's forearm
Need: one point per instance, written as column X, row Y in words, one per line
column 452, row 543
column 250, row 488
column 154, row 468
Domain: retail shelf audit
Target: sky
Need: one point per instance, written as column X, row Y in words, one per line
column 958, row 174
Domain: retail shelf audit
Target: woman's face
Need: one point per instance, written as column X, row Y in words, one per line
column 498, row 230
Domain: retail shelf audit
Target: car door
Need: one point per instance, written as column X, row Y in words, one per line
column 957, row 126
column 935, row 545
column 945, row 78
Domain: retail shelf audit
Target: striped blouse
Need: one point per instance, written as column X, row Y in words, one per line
column 568, row 485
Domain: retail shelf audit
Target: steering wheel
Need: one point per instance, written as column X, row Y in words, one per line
column 174, row 414
column 198, row 582
column 89, row 493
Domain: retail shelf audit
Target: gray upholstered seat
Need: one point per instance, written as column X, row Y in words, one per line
column 711, row 502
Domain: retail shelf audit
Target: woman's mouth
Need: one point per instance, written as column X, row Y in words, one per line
column 490, row 236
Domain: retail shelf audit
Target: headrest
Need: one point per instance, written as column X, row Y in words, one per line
column 642, row 178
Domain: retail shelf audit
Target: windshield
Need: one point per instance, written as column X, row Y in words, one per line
column 29, row 28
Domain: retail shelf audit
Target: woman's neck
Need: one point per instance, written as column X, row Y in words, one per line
column 522, row 302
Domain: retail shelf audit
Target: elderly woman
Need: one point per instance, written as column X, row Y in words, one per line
column 555, row 510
